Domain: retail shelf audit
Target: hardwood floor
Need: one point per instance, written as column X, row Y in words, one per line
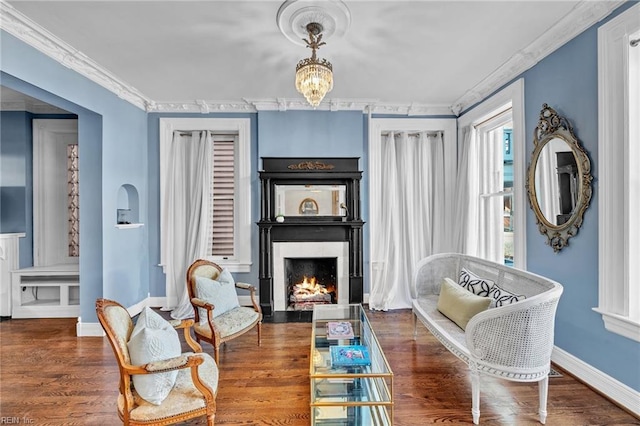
column 50, row 377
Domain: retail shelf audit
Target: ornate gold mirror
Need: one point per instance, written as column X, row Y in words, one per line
column 558, row 179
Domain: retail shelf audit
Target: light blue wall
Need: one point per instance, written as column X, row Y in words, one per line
column 567, row 81
column 15, row 134
column 112, row 137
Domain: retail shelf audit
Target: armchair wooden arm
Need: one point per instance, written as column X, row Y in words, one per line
column 186, row 325
column 252, row 290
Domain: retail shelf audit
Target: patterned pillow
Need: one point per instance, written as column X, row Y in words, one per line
column 503, row 297
column 153, row 339
column 221, row 293
column 475, row 284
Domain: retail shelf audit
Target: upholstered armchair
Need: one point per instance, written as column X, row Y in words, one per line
column 193, row 376
column 218, row 314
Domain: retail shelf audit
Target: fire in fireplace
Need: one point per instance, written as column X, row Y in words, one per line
column 310, row 281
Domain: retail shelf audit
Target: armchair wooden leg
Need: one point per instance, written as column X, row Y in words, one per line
column 259, row 333
column 216, row 354
column 211, row 419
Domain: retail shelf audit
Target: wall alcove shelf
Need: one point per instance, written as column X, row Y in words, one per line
column 129, row 225
column 340, row 224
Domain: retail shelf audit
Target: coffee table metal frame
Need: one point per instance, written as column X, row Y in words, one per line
column 348, row 396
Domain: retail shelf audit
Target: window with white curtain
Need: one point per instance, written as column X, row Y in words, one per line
column 230, row 208
column 619, row 180
column 490, row 192
column 411, row 188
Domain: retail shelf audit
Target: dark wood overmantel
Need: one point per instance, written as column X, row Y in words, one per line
column 309, row 171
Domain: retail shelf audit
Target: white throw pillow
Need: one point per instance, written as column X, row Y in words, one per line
column 153, row 339
column 503, row 297
column 475, row 284
column 221, row 293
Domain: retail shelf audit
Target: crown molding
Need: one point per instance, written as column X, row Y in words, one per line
column 34, row 108
column 582, row 16
column 23, row 28
column 285, row 104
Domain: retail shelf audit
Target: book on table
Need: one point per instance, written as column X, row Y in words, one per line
column 349, row 356
column 339, row 330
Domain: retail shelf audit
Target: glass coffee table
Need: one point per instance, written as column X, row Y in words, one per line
column 351, row 382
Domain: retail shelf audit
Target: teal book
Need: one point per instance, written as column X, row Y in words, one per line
column 349, row 355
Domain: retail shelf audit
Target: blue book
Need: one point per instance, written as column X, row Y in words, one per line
column 349, row 355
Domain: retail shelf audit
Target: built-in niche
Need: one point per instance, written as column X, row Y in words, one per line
column 128, row 210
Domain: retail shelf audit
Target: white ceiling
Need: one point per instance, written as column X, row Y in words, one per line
column 424, row 52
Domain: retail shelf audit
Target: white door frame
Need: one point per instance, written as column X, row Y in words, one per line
column 50, row 225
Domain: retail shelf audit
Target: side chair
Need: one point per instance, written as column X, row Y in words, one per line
column 211, row 326
column 192, row 395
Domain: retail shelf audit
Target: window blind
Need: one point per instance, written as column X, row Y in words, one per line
column 223, row 197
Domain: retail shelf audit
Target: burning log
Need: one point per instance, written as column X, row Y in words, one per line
column 309, row 291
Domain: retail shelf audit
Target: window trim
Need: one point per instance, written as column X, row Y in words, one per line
column 514, row 94
column 614, row 291
column 242, row 262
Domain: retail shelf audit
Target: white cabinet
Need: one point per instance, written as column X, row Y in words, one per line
column 46, row 292
column 9, row 261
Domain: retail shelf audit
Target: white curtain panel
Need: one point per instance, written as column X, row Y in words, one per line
column 479, row 205
column 409, row 220
column 185, row 212
column 466, row 206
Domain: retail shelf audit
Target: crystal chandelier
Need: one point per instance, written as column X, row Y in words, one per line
column 314, row 77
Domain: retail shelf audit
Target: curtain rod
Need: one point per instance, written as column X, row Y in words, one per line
column 188, row 133
column 493, row 117
column 432, row 133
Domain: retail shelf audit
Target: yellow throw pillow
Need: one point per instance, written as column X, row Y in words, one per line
column 459, row 304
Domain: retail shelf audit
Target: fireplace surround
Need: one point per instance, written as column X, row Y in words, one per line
column 310, row 207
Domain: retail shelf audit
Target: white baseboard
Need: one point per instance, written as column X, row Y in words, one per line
column 616, row 391
column 88, row 329
column 94, row 329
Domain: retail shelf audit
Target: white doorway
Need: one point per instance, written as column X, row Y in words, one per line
column 55, row 195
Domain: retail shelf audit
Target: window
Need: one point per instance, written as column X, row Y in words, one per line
column 492, row 166
column 619, row 181
column 495, row 203
column 73, row 200
column 230, row 219
column 223, row 198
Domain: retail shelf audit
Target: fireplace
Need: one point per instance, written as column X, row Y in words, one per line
column 310, row 219
column 326, row 261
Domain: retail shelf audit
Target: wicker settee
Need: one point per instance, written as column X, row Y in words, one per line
column 512, row 341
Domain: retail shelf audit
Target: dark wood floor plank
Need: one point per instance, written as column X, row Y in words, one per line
column 50, row 377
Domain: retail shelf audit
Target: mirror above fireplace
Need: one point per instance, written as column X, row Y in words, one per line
column 310, row 200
